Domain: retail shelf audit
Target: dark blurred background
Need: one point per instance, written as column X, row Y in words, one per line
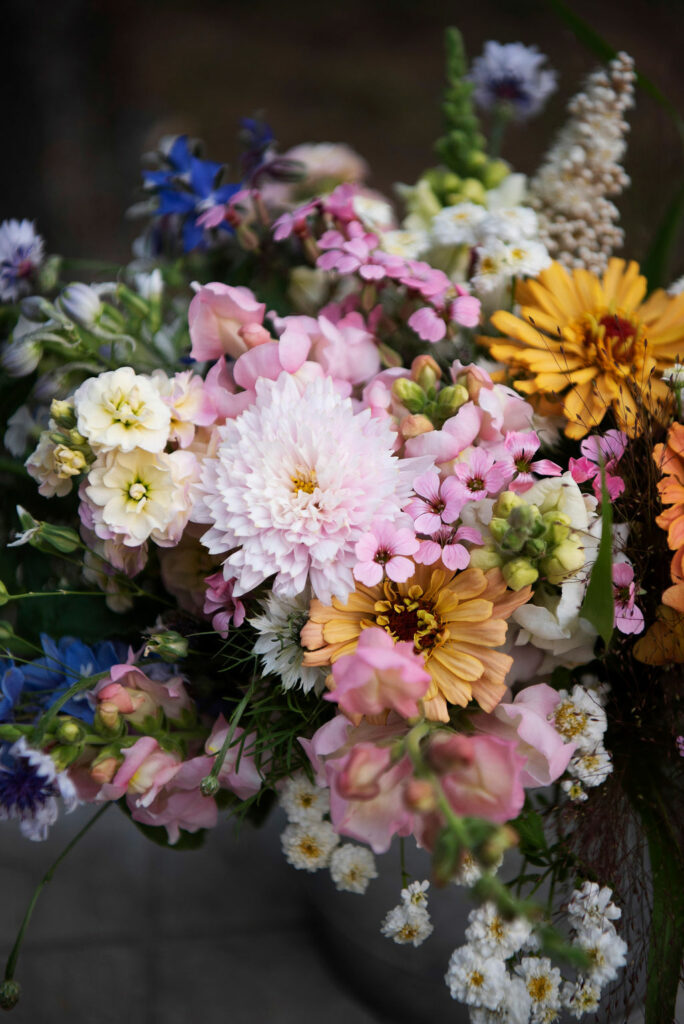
column 91, row 85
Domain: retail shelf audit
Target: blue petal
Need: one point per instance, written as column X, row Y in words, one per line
column 179, row 154
column 203, row 175
column 175, row 202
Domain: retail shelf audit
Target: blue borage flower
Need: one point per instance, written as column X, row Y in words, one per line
column 29, row 788
column 21, row 254
column 187, row 187
column 511, row 74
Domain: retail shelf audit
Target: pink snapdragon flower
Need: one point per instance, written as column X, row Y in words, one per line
column 239, row 772
column 128, row 691
column 215, row 317
column 608, row 449
column 340, row 343
column 521, row 448
column 380, row 675
column 446, row 545
column 436, row 503
column 179, row 803
column 221, row 605
column 629, row 618
column 382, row 551
column 478, row 476
column 480, row 775
column 525, row 722
column 144, row 770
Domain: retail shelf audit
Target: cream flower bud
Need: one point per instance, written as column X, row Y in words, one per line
column 82, row 304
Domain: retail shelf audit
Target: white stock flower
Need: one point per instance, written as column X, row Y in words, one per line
column 54, row 466
column 302, row 801
column 492, row 935
column 297, row 479
column 374, row 213
column 406, row 924
column 122, row 409
column 352, row 867
column 279, row 646
column 475, row 979
column 138, row 495
column 308, row 847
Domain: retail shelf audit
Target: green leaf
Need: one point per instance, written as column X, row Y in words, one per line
column 530, row 828
column 599, row 601
column 656, row 265
column 595, row 42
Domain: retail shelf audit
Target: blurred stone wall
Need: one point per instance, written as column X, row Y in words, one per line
column 91, row 85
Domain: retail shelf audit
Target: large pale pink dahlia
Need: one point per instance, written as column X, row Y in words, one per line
column 296, row 480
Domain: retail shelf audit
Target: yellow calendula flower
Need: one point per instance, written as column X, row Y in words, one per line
column 592, row 344
column 455, row 621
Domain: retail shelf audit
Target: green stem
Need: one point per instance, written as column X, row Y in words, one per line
column 402, row 862
column 500, row 120
column 47, row 877
column 234, row 721
column 86, row 683
column 55, row 593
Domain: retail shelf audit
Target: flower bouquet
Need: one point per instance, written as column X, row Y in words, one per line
column 379, row 520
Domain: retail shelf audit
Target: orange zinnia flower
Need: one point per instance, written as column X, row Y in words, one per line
column 593, row 343
column 455, row 621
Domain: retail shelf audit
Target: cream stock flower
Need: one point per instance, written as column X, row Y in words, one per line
column 122, row 409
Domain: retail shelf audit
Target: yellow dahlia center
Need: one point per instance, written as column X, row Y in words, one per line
column 305, row 480
column 614, row 341
column 410, row 617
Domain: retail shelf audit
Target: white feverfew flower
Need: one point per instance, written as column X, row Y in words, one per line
column 591, row 769
column 591, row 905
column 476, row 980
column 581, row 997
column 494, row 266
column 415, row 895
column 302, row 801
column 492, row 935
column 575, row 790
column 409, row 245
column 406, row 925
column 308, row 847
column 457, row 225
column 510, row 224
column 607, row 953
column 580, row 717
column 470, row 871
column 279, row 646
column 515, row 1008
column 122, row 409
column 352, row 868
column 294, row 498
column 542, row 982
column 528, row 258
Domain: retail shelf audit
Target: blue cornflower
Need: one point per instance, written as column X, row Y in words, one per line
column 511, row 74
column 21, row 253
column 29, row 787
column 65, row 662
column 187, row 188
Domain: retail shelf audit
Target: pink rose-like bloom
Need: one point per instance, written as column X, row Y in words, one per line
column 480, row 775
column 219, row 386
column 381, row 551
column 179, row 804
column 436, row 503
column 380, row 675
column 479, row 476
column 629, row 618
column 216, row 314
column 521, row 447
column 221, row 605
column 525, row 722
column 445, row 545
column 243, row 778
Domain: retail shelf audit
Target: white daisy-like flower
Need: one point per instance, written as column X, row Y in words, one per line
column 308, row 847
column 352, row 867
column 470, row 871
column 409, row 245
column 122, row 409
column 591, row 769
column 297, row 479
column 21, row 254
column 510, row 224
column 457, row 225
column 374, row 213
column 580, row 717
column 492, row 935
column 407, row 925
column 415, row 895
column 527, row 258
column 592, row 905
column 138, row 495
column 515, row 1009
column 575, row 790
column 581, row 997
column 607, row 953
column 279, row 646
column 494, row 266
column 475, row 979
column 542, row 982
column 303, row 802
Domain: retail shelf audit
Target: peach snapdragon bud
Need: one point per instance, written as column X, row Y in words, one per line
column 414, row 425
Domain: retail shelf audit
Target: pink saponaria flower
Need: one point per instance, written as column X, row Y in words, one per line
column 428, row 324
column 596, row 449
column 382, row 550
column 215, row 317
column 525, row 721
column 380, row 675
column 479, row 476
column 295, row 221
column 221, row 605
column 521, row 447
column 358, row 252
column 446, row 545
column 436, row 504
column 465, row 309
column 428, row 282
column 629, row 618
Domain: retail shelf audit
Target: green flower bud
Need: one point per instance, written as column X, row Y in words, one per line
column 209, row 786
column 65, row 756
column 108, row 721
column 410, row 394
column 498, row 528
column 9, row 733
column 557, row 528
column 473, row 190
column 62, row 412
column 519, row 573
column 494, row 173
column 169, row 645
column 512, row 541
column 6, row 631
column 69, row 731
column 567, row 558
column 505, row 503
column 451, row 398
column 10, row 991
column 4, row 594
column 526, row 518
column 535, row 547
column 56, row 538
column 485, row 558
column 425, row 372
